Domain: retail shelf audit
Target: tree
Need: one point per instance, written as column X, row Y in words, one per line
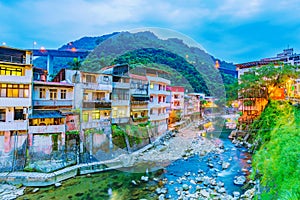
column 262, row 82
column 75, row 64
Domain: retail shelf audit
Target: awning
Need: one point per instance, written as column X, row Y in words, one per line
column 45, row 114
column 140, row 97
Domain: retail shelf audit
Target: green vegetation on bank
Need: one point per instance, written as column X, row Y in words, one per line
column 277, row 161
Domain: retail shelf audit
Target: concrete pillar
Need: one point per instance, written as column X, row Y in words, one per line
column 7, row 139
column 49, row 66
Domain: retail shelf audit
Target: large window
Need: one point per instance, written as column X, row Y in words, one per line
column 10, row 71
column 14, row 90
column 19, row 114
column 120, row 94
column 63, row 94
column 53, row 94
column 42, row 93
column 96, row 115
column 2, row 115
column 90, row 79
column 85, row 116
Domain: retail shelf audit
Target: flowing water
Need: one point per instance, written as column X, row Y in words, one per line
column 119, row 185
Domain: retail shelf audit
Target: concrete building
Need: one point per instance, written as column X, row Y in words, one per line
column 176, row 99
column 139, row 99
column 15, row 105
column 158, row 114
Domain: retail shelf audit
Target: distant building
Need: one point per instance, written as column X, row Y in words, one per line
column 15, row 105
column 176, row 99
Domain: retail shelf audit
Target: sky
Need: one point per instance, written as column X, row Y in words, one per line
column 232, row 30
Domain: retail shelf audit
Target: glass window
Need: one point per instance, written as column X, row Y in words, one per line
column 19, row 114
column 2, row 115
column 85, row 117
column 10, row 71
column 63, row 94
column 96, row 115
column 53, row 94
column 42, row 93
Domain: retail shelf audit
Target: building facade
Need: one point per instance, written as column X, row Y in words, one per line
column 15, row 105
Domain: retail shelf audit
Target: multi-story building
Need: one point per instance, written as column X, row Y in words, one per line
column 176, row 98
column 92, row 94
column 139, row 98
column 158, row 115
column 15, row 105
column 120, row 93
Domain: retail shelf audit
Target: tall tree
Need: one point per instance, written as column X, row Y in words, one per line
column 263, row 81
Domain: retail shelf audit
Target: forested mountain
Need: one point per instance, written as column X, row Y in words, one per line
column 187, row 66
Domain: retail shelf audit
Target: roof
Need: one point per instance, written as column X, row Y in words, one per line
column 38, row 114
column 134, row 76
column 175, row 88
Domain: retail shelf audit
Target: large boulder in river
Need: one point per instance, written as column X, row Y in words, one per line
column 240, row 180
column 225, row 165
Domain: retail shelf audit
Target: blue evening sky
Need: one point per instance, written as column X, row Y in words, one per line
column 232, row 30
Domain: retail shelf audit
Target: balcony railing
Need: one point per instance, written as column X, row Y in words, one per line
column 120, row 120
column 12, row 59
column 139, row 103
column 17, row 79
column 47, row 129
column 161, row 92
column 158, row 105
column 97, row 86
column 96, row 104
column 162, row 116
column 52, row 102
column 13, row 125
column 96, row 123
column 120, row 102
column 13, row 102
column 121, row 85
column 159, row 80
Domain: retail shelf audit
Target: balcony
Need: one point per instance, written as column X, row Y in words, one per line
column 159, row 105
column 158, row 117
column 53, row 103
column 142, row 103
column 97, row 104
column 161, row 92
column 120, row 103
column 177, row 107
column 96, row 123
column 14, row 102
column 121, row 85
column 47, row 129
column 14, row 125
column 17, row 79
column 97, row 86
column 120, row 120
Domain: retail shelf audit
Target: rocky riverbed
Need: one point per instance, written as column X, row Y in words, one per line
column 194, row 167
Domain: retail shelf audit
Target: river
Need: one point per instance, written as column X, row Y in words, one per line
column 119, row 185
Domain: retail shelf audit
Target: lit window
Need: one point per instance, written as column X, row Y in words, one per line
column 53, row 94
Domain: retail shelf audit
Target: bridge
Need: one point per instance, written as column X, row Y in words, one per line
column 232, row 72
column 51, row 53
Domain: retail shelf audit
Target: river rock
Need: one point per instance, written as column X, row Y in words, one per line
column 185, row 187
column 161, row 197
column 199, row 179
column 221, row 190
column 204, row 193
column 145, row 178
column 57, row 184
column 236, row 194
column 225, row 165
column 161, row 191
column 193, row 182
column 249, row 161
column 240, row 180
column 133, row 182
column 35, row 190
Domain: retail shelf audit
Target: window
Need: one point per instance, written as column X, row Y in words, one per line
column 96, row 115
column 97, row 96
column 10, row 71
column 53, row 94
column 42, row 93
column 105, row 78
column 19, row 114
column 14, row 90
column 63, row 94
column 85, row 117
column 151, row 86
column 90, row 79
column 120, row 94
column 85, row 96
column 2, row 115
